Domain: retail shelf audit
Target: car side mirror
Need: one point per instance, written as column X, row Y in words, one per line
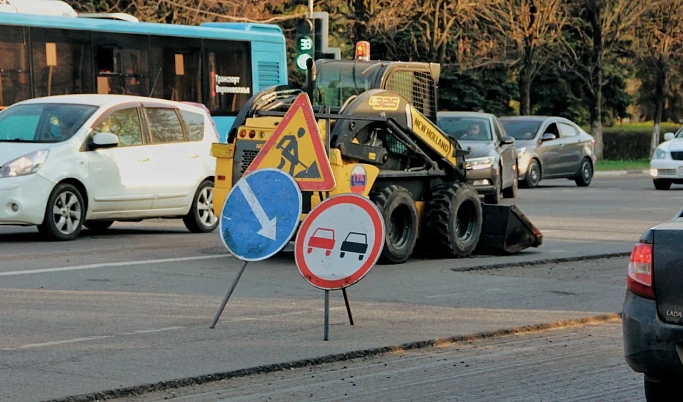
column 548, row 137
column 669, row 136
column 104, row 140
column 507, row 140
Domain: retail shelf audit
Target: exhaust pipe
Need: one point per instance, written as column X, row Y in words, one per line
column 505, row 229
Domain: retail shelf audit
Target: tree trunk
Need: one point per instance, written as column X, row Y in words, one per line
column 660, row 82
column 525, row 90
column 596, row 123
column 360, row 22
column 597, row 81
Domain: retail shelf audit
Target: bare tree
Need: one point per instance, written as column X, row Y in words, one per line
column 526, row 34
column 660, row 46
column 602, row 32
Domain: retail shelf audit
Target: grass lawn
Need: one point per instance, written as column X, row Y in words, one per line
column 638, row 164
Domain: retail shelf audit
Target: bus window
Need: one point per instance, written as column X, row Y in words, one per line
column 122, row 64
column 62, row 62
column 228, row 65
column 176, row 69
column 14, row 66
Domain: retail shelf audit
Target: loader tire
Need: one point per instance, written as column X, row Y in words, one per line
column 453, row 221
column 400, row 220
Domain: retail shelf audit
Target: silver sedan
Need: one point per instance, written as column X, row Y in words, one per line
column 551, row 148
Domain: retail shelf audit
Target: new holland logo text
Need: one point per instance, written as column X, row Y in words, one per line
column 438, row 140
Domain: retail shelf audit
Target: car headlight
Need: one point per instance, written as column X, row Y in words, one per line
column 479, row 163
column 25, row 165
column 521, row 151
column 659, row 154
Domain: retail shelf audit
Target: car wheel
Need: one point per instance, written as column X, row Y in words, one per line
column 533, row 174
column 661, row 184
column 658, row 391
column 496, row 196
column 98, row 226
column 64, row 213
column 511, row 192
column 585, row 174
column 400, row 219
column 201, row 218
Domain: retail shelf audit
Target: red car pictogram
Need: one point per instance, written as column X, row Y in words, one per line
column 322, row 238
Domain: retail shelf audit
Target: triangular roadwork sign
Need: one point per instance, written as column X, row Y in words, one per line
column 296, row 147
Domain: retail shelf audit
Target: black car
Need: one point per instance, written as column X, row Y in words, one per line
column 653, row 310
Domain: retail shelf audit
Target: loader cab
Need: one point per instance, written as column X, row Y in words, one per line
column 339, row 81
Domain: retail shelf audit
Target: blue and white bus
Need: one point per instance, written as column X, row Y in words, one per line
column 219, row 65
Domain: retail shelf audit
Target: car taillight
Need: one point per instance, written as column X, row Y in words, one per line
column 243, row 133
column 639, row 279
column 252, row 133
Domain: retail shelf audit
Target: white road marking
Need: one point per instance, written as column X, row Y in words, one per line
column 112, row 264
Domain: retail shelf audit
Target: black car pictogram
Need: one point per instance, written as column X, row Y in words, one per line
column 355, row 243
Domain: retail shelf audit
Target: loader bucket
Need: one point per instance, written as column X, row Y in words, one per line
column 506, row 230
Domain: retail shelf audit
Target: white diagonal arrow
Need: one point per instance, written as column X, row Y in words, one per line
column 268, row 226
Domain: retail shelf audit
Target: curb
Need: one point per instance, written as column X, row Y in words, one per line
column 613, row 173
column 271, row 368
column 541, row 262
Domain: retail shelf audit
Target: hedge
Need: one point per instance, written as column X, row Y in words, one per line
column 629, row 143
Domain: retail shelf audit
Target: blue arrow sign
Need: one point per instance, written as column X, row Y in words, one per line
column 261, row 214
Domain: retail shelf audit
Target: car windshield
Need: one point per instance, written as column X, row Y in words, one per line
column 521, row 129
column 43, row 122
column 465, row 128
column 679, row 133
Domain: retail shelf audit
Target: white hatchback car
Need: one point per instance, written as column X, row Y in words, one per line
column 666, row 165
column 89, row 160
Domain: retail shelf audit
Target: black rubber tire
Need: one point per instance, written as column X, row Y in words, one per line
column 497, row 196
column 98, row 226
column 661, row 184
column 398, row 209
column 202, row 204
column 49, row 228
column 585, row 173
column 533, row 174
column 453, row 221
column 511, row 192
column 659, row 391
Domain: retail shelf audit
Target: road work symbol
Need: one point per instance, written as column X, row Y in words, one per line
column 296, row 147
column 290, row 155
column 260, row 214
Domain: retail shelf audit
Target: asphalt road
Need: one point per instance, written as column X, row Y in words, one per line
column 566, row 364
column 133, row 306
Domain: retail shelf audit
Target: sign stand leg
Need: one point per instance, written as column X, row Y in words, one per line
column 227, row 296
column 327, row 314
column 348, row 306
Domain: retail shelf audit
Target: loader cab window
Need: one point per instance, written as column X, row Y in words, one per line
column 337, row 82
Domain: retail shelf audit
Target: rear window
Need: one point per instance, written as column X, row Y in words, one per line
column 43, row 122
column 164, row 125
column 194, row 123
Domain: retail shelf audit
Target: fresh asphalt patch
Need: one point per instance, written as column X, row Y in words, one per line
column 571, row 268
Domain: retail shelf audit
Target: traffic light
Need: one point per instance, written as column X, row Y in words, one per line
column 305, row 42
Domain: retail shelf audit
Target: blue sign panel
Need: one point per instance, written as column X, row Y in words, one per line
column 261, row 214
